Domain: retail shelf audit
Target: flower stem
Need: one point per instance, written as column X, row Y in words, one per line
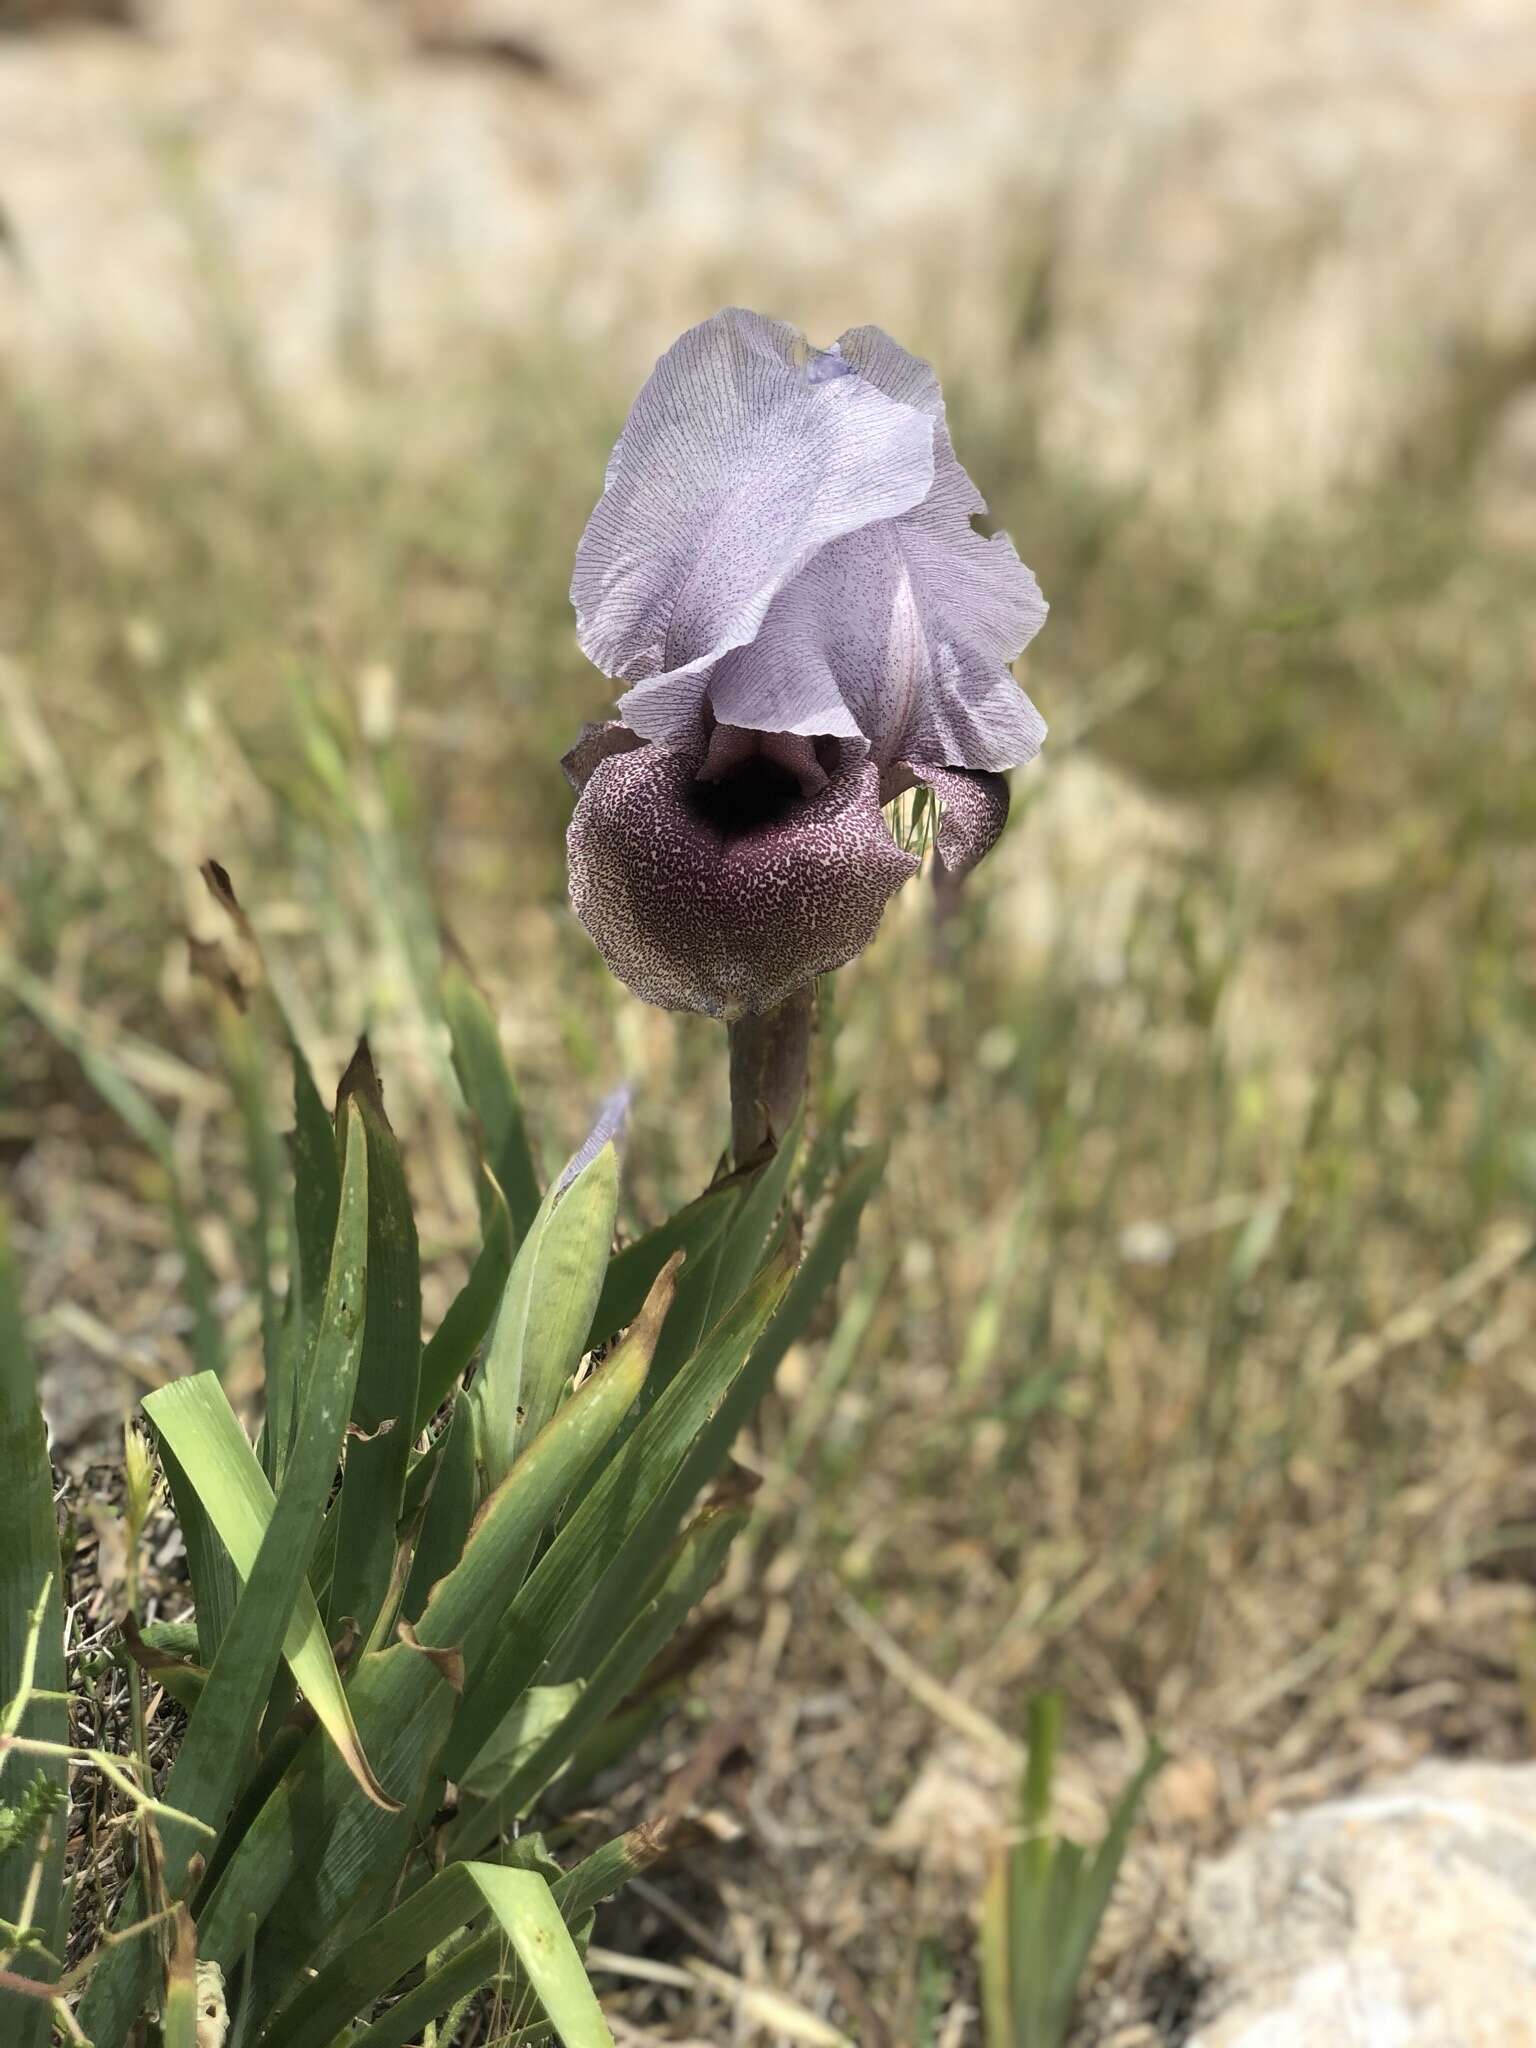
column 770, row 1055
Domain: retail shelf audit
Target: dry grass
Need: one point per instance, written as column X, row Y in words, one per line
column 1188, row 1360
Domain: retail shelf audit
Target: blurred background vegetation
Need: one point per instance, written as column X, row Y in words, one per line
column 1187, row 1363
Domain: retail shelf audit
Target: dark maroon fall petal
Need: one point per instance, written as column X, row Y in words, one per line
column 726, row 897
column 973, row 809
column 597, row 742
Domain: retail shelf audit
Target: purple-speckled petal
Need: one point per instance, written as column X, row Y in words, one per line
column 741, row 459
column 904, row 629
column 696, row 908
column 973, row 809
column 596, row 743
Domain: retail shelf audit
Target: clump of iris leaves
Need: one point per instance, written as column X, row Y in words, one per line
column 431, row 1589
column 426, row 1593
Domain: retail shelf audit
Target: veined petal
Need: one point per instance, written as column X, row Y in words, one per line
column 903, row 629
column 910, row 381
column 700, row 901
column 785, row 681
column 904, row 632
column 895, row 371
column 736, row 465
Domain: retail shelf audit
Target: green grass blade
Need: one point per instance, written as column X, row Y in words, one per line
column 32, row 1675
column 615, row 1739
column 316, row 1201
column 470, row 1605
column 215, row 1582
column 1063, row 1933
column 817, row 1273
column 309, row 1211
column 1104, row 1866
column 217, row 1750
column 457, row 1336
column 280, row 1386
column 690, row 1316
column 370, row 1966
column 311, row 1216
column 318, row 1848
column 448, row 1513
column 530, row 1942
column 747, row 1237
column 145, row 1121
column 1042, row 1870
column 650, row 1538
column 994, row 1944
column 690, row 1574
column 1039, row 1866
column 194, row 1417
column 469, row 1969
column 491, row 1095
column 538, row 1714
column 603, row 1873
column 528, row 1915
column 384, row 1400
column 603, row 1524
column 1037, row 1935
column 546, row 1311
column 265, row 1176
column 828, row 1157
column 608, row 1869
column 631, row 1271
column 316, row 1184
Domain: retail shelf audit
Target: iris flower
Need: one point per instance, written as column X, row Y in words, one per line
column 783, row 571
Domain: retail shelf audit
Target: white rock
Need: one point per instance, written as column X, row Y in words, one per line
column 1401, row 1918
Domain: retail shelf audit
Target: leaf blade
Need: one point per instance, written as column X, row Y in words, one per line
column 525, row 1916
column 601, row 1874
column 216, row 1750
column 747, row 1235
column 31, row 1632
column 574, row 1566
column 454, row 1341
column 389, row 1370
column 491, row 1095
column 545, row 1313
column 631, row 1271
column 530, row 1918
column 296, row 1871
column 194, row 1417
column 689, row 1574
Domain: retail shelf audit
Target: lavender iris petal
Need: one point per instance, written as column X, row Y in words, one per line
column 783, row 568
column 733, row 470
